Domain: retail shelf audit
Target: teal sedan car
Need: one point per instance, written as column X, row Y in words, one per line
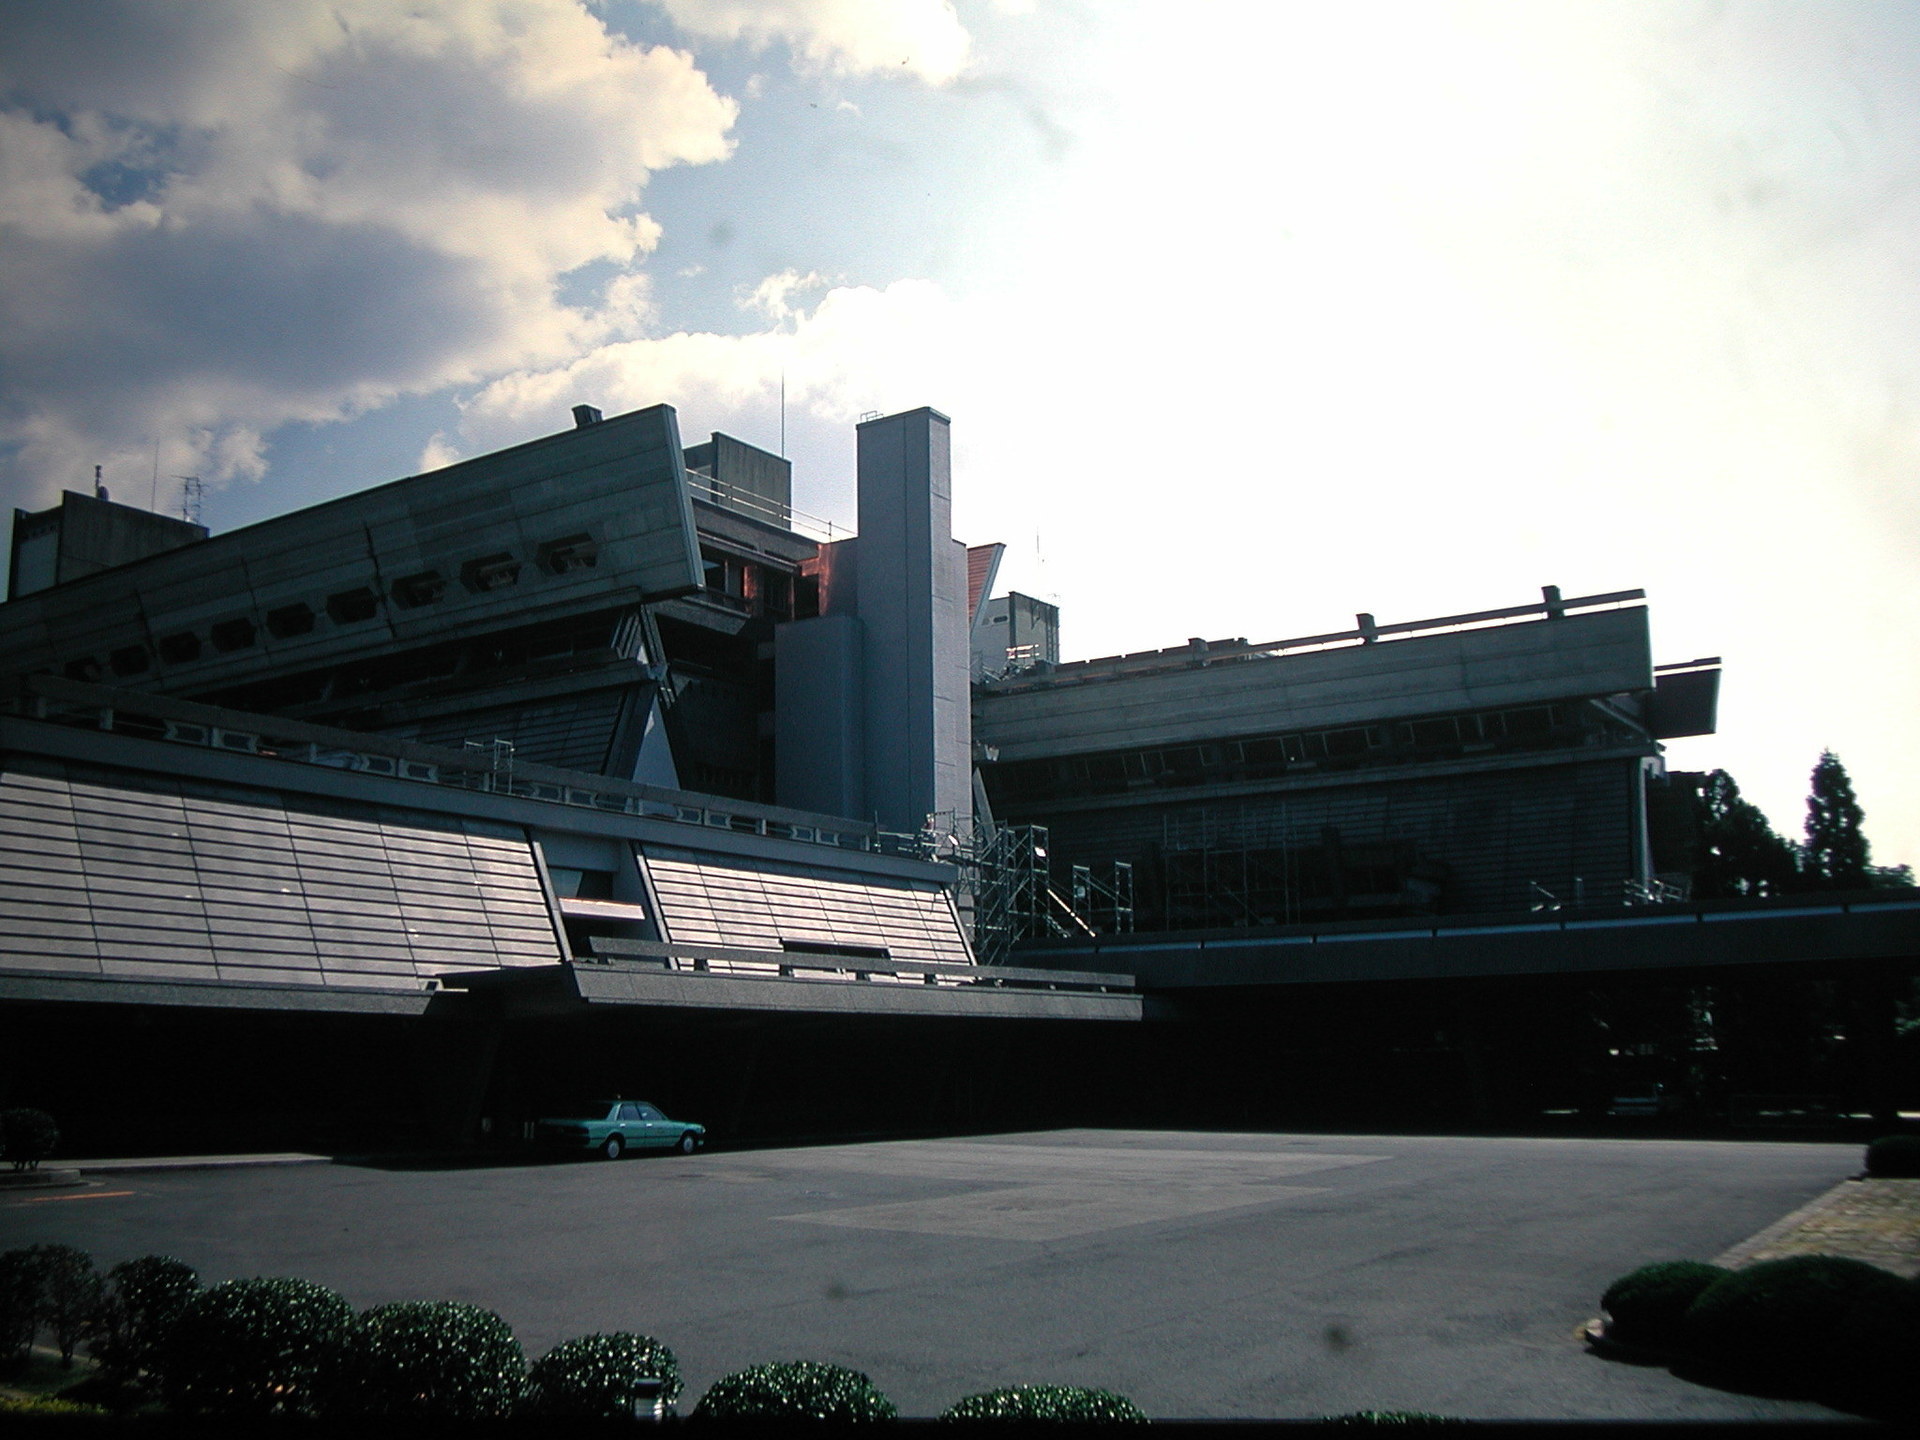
column 615, row 1126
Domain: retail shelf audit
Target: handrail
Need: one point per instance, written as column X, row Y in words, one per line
column 1207, row 652
column 613, row 948
column 300, row 741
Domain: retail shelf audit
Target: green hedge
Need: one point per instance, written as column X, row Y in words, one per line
column 255, row 1347
column 1780, row 1323
column 1894, row 1157
column 1047, row 1402
column 795, row 1390
column 144, row 1298
column 438, row 1359
column 1645, row 1308
column 600, row 1376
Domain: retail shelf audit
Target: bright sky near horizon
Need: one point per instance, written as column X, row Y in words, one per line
column 1249, row 316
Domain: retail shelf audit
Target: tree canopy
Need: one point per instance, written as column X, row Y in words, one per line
column 1835, row 854
column 1740, row 853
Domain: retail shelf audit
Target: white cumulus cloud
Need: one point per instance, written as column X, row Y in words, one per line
column 843, row 37
column 225, row 216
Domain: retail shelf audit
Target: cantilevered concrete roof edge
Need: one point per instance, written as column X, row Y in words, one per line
column 48, row 987
column 680, row 990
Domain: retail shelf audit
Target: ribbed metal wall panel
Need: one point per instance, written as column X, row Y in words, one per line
column 569, row 732
column 707, row 901
column 122, row 875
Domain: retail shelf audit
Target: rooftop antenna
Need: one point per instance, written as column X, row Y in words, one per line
column 99, row 490
column 783, row 414
column 191, row 493
column 153, row 490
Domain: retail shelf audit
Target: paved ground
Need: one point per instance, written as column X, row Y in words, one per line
column 1205, row 1275
column 1877, row 1221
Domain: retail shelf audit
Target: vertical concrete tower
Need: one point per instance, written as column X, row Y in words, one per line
column 912, row 604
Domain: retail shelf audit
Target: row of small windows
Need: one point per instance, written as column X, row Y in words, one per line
column 349, row 607
column 1267, row 754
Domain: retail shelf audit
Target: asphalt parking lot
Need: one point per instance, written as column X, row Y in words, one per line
column 1204, row 1275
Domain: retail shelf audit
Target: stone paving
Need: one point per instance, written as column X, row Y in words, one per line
column 1877, row 1221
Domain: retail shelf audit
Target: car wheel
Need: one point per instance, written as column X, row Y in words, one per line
column 613, row 1147
column 688, row 1143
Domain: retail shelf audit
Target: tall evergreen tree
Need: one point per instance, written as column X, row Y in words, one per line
column 1835, row 855
column 1740, row 854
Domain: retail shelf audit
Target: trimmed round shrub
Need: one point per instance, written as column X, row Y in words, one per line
column 1894, row 1157
column 599, row 1376
column 27, row 1137
column 1779, row 1322
column 254, row 1347
column 1878, row 1344
column 144, row 1298
column 795, row 1390
column 1645, row 1307
column 429, row 1358
column 1071, row 1403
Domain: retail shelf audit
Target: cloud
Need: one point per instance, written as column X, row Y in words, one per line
column 839, row 37
column 858, row 349
column 222, row 217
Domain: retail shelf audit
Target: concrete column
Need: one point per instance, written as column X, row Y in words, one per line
column 913, row 609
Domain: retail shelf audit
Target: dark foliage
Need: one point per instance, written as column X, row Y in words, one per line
column 19, row 1305
column 254, row 1347
column 599, row 1376
column 70, row 1296
column 1740, row 855
column 1645, row 1307
column 795, row 1390
column 1070, row 1403
column 144, row 1298
column 27, row 1137
column 1894, row 1157
column 1778, row 1323
column 429, row 1358
column 1835, row 855
column 1877, row 1347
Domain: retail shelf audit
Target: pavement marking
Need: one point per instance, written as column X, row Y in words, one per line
column 1059, row 1190
column 963, row 1160
column 92, row 1195
column 1053, row 1212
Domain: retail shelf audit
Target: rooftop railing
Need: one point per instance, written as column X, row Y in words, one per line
column 491, row 769
column 1197, row 652
column 758, row 507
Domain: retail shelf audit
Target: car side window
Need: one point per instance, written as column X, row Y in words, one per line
column 630, row 1111
column 647, row 1112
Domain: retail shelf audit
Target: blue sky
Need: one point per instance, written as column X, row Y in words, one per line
column 1249, row 316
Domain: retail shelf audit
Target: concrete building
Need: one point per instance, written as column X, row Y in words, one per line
column 1502, row 761
column 594, row 763
column 583, row 726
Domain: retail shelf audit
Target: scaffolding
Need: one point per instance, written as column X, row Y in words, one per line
column 1006, row 884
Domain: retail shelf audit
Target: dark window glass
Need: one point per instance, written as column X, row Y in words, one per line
column 235, row 634
column 130, row 660
column 290, row 620
column 178, row 649
column 350, row 607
